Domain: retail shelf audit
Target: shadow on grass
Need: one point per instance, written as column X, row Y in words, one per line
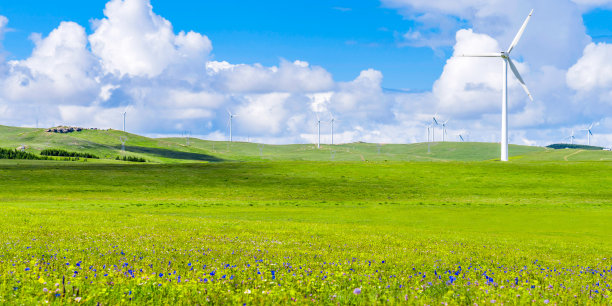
column 171, row 154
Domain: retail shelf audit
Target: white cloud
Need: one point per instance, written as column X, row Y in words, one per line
column 594, row 70
column 298, row 76
column 134, row 41
column 3, row 23
column 60, row 69
column 263, row 114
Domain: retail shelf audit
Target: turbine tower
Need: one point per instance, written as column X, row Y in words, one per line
column 318, row 132
column 231, row 116
column 507, row 62
column 433, row 127
column 124, row 121
column 444, row 130
column 332, row 127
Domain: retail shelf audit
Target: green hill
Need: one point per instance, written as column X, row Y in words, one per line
column 107, row 145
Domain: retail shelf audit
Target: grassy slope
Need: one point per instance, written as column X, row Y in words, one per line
column 103, row 143
column 441, row 151
column 106, row 144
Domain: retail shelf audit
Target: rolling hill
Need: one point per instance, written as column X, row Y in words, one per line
column 107, row 145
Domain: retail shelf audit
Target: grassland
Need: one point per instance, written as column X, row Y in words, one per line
column 107, row 145
column 300, row 232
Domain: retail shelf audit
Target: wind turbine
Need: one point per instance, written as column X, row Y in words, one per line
column 332, row 127
column 589, row 133
column 124, row 112
column 433, row 128
column 461, row 137
column 428, row 126
column 444, row 130
column 507, row 62
column 231, row 116
column 318, row 131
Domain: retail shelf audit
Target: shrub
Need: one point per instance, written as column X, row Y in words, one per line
column 573, row 146
column 131, row 159
column 15, row 154
column 60, row 152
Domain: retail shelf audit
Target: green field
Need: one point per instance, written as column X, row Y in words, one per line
column 300, row 232
column 107, row 145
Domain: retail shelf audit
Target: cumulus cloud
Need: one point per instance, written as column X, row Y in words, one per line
column 59, row 69
column 134, row 41
column 594, row 69
column 298, row 76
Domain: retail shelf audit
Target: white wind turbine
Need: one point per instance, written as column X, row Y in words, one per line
column 444, row 130
column 507, row 61
column 231, row 116
column 461, row 137
column 318, row 131
column 589, row 133
column 124, row 112
column 433, row 127
column 332, row 127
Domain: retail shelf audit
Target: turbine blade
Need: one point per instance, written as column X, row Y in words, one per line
column 519, row 78
column 481, row 55
column 520, row 33
column 436, row 121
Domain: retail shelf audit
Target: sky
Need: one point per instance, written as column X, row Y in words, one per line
column 381, row 68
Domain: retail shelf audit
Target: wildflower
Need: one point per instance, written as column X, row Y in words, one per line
column 161, row 274
column 357, row 291
column 77, row 299
column 45, row 290
column 247, row 291
column 546, row 301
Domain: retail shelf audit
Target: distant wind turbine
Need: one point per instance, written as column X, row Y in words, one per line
column 433, row 128
column 332, row 127
column 124, row 113
column 589, row 133
column 461, row 137
column 231, row 116
column 507, row 61
column 444, row 130
column 319, row 133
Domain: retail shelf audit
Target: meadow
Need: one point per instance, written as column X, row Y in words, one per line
column 327, row 232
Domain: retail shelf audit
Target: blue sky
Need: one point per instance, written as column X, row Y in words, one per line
column 345, row 37
column 288, row 59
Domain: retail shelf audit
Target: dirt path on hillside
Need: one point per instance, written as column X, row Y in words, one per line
column 565, row 157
